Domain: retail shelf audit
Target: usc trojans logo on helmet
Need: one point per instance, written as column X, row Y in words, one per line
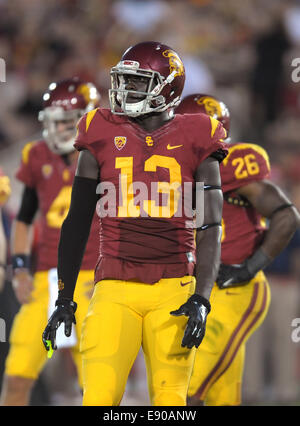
column 89, row 93
column 211, row 105
column 199, row 102
column 175, row 62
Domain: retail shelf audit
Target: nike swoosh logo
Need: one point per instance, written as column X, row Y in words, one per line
column 173, row 147
column 183, row 284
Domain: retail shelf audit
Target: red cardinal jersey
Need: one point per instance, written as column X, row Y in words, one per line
column 144, row 238
column 243, row 228
column 52, row 179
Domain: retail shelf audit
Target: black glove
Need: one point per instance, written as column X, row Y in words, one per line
column 233, row 275
column 196, row 308
column 239, row 275
column 64, row 312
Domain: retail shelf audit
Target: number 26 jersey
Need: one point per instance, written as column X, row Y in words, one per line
column 243, row 227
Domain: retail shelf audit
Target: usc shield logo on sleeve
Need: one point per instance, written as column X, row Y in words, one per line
column 120, row 142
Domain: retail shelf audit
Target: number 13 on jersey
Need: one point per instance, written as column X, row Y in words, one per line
column 172, row 189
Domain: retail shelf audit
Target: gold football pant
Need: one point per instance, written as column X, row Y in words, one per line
column 122, row 316
column 27, row 354
column 236, row 313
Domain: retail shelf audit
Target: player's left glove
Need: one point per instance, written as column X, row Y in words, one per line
column 196, row 309
column 64, row 313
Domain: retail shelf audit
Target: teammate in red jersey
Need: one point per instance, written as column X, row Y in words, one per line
column 142, row 155
column 240, row 298
column 47, row 171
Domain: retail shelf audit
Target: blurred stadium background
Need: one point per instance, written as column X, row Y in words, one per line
column 239, row 51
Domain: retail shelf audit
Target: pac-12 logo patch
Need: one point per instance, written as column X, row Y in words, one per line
column 120, row 142
column 47, row 170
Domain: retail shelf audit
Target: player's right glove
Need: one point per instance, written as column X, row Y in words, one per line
column 196, row 309
column 64, row 313
column 233, row 275
column 240, row 275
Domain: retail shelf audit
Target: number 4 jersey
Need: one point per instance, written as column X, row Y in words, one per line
column 52, row 179
column 243, row 227
column 145, row 234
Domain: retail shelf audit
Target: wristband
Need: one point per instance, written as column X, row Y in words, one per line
column 200, row 299
column 258, row 261
column 209, row 225
column 66, row 302
column 210, row 187
column 20, row 261
column 282, row 207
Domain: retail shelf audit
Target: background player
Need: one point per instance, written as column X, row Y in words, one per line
column 241, row 295
column 5, row 191
column 146, row 264
column 47, row 170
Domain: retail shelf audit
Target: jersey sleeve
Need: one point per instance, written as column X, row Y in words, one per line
column 210, row 139
column 86, row 136
column 245, row 163
column 25, row 173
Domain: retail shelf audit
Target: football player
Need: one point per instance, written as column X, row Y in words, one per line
column 145, row 291
column 241, row 294
column 5, row 191
column 47, row 171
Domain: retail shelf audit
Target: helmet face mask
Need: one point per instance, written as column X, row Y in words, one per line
column 60, row 128
column 154, row 62
column 120, row 97
column 64, row 103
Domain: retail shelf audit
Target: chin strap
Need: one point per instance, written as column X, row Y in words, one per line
column 158, row 88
